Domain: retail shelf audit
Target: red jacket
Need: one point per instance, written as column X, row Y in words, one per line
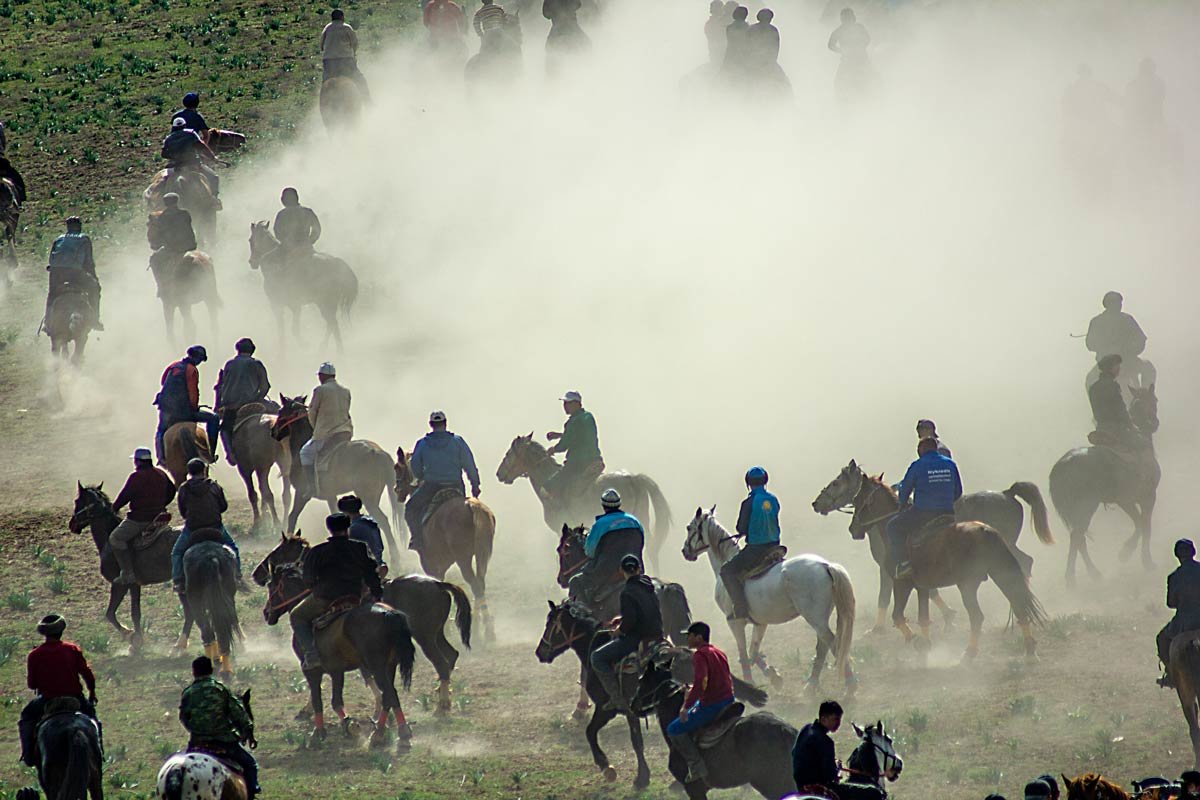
column 55, row 669
column 445, row 18
column 191, row 377
column 148, row 491
column 714, row 681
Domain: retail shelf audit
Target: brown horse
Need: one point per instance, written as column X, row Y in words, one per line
column 256, row 451
column 71, row 319
column 1184, row 669
column 964, row 554
column 1093, row 786
column 182, row 283
column 12, row 196
column 195, row 196
column 459, row 532
column 341, row 104
column 182, row 442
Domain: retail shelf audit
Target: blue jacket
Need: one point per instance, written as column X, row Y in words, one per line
column 758, row 518
column 185, row 541
column 366, row 530
column 606, row 523
column 72, row 251
column 933, row 483
column 442, row 457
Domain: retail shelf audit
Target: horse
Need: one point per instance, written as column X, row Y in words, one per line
column 372, row 637
column 802, row 586
column 182, row 442
column 528, row 459
column 425, row 601
column 182, row 283
column 256, row 451
column 1183, row 667
column 1085, row 477
column 318, row 279
column 71, row 762
column 1001, row 510
column 210, row 578
column 195, row 197
column 498, row 61
column 12, row 196
column 71, row 319
column 962, row 554
column 341, row 104
column 360, row 466
column 1093, row 786
column 458, row 532
column 152, row 564
column 200, row 775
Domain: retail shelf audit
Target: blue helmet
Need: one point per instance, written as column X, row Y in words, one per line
column 191, row 100
column 756, row 476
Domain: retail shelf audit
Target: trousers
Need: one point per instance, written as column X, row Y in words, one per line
column 606, row 657
column 418, row 504
column 302, row 620
column 902, row 526
column 734, row 570
column 698, row 716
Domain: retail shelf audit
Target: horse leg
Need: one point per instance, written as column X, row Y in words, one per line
column 135, row 610
column 756, row 656
column 169, row 319
column 248, row 479
column 181, row 644
column 970, row 598
column 1147, row 505
column 642, row 780
column 213, row 314
column 738, row 628
column 116, row 594
column 443, row 657
column 268, row 496
column 825, row 642
column 189, row 322
column 948, row 613
column 385, row 677
column 479, row 591
column 885, row 599
column 337, row 700
column 584, row 703
column 318, row 706
column 600, row 718
column 901, row 593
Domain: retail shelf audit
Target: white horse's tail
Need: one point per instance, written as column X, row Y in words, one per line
column 846, row 607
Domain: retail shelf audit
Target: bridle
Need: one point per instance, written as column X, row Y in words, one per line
column 571, row 569
column 861, row 502
column 92, row 510
column 286, row 603
column 525, row 465
column 282, row 424
column 869, row 739
column 557, row 627
column 696, row 550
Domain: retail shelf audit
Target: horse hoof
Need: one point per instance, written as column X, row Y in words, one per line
column 379, row 739
column 303, row 715
column 642, row 782
column 404, row 733
column 878, row 630
column 316, row 739
column 580, row 713
column 970, row 655
column 922, row 644
column 610, row 774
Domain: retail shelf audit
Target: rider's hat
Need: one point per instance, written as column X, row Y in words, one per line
column 572, row 397
column 1185, row 545
column 926, row 423
column 611, row 498
column 74, row 220
column 437, row 417
column 178, row 123
column 630, row 562
column 52, row 625
column 327, row 369
column 1191, row 776
column 170, row 199
column 143, row 454
column 1110, row 360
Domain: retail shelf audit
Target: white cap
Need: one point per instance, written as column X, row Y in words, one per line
column 143, row 454
column 178, row 122
column 572, row 397
column 437, row 416
column 327, row 369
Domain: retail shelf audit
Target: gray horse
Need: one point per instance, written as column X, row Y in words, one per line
column 256, row 451
column 1000, row 510
column 321, row 280
column 1087, row 476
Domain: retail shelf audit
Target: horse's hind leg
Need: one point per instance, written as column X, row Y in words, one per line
column 268, row 496
column 757, row 634
column 970, row 598
column 642, row 780
column 169, row 319
column 479, row 591
column 248, row 479
column 884, row 601
column 825, row 643
column 337, row 700
column 181, row 644
column 116, row 593
column 135, row 610
column 213, row 316
column 189, row 322
column 600, row 718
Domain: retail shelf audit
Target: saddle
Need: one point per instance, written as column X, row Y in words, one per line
column 338, row 608
column 650, row 651
column 774, row 557
column 711, row 735
column 159, row 528
column 220, row 752
column 439, row 499
column 938, row 523
column 253, row 411
column 335, row 445
column 207, row 535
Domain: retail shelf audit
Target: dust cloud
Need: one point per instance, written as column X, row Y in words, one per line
column 728, row 283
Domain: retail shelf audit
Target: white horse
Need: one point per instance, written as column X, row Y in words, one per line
column 198, row 776
column 803, row 586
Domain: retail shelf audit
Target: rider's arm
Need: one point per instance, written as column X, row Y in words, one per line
column 192, row 376
column 416, row 462
column 568, row 438
column 123, row 496
column 168, row 487
column 468, row 462
column 264, row 383
column 324, row 34
column 834, row 43
column 1172, row 593
column 181, row 499
column 84, row 670
column 909, row 483
column 371, row 574
column 222, row 503
column 958, row 490
column 314, row 407
column 89, row 263
column 699, row 680
column 743, row 520
column 177, row 551
column 314, row 229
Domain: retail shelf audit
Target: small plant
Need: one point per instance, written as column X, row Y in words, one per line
column 57, row 584
column 918, row 721
column 165, row 750
column 517, row 777
column 20, row 601
column 477, row 776
column 96, row 642
column 1021, row 706
column 47, row 559
column 8, row 646
column 382, row 762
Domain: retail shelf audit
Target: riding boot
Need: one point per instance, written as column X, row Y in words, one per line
column 686, row 746
column 124, row 556
column 737, row 594
column 1165, row 681
column 28, row 734
column 311, row 471
column 310, row 657
column 903, row 571
column 612, row 686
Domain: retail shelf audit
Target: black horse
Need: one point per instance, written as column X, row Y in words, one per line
column 69, row 744
column 210, row 577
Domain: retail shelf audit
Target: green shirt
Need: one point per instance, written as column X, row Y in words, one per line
column 212, row 713
column 579, row 441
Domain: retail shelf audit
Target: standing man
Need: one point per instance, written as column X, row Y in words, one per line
column 614, row 535
column 71, row 263
column 814, row 760
column 711, row 693
column 927, row 430
column 1115, row 332
column 179, row 401
column 580, row 441
column 933, row 483
column 329, row 415
column 201, row 504
column 242, row 380
column 215, row 718
column 758, row 522
column 363, row 529
column 53, row 669
column 339, row 52
column 438, row 462
column 147, row 491
column 641, row 620
column 296, row 227
column 1183, row 595
column 338, row 567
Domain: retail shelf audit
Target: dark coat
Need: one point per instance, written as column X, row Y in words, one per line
column 641, row 617
column 339, row 568
column 814, row 761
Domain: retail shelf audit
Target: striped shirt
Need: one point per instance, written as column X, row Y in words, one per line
column 488, row 18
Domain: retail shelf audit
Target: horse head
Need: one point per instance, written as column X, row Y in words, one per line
column 522, row 455
column 703, row 532
column 406, row 482
column 840, row 491
column 571, row 556
column 290, row 550
column 285, row 590
column 874, row 502
column 1143, row 410
column 567, row 623
column 90, row 504
column 1093, row 786
column 875, row 757
column 291, row 411
column 262, row 242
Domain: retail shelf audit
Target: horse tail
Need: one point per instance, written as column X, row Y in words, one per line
column 78, row 773
column 754, row 695
column 397, row 518
column 221, row 598
column 485, row 533
column 349, row 292
column 662, row 512
column 187, row 443
column 173, row 782
column 462, row 610
column 402, row 646
column 1030, row 493
column 845, row 605
column 1003, row 568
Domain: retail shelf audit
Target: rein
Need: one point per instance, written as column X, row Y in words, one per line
column 881, row 774
column 568, row 571
column 866, row 526
column 287, row 602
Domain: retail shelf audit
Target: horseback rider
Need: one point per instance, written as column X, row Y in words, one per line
column 54, row 669
column 934, row 484
column 438, row 462
column 147, row 491
column 641, row 621
column 814, row 759
column 217, row 721
column 1183, row 595
column 170, row 234
column 1108, row 406
column 737, row 44
column 927, row 430
column 296, row 227
column 242, row 380
column 850, row 39
column 580, row 441
column 711, row 693
column 489, row 18
column 329, row 415
column 363, row 529
column 193, row 120
column 184, row 150
column 339, row 51
column 179, row 401
column 1189, row 783
column 762, row 41
column 714, row 31
column 201, row 503
column 335, row 569
column 614, row 535
column 446, row 22
column 71, row 265
column 758, row 521
column 1115, row 332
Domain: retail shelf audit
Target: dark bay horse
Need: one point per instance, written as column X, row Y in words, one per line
column 256, row 451
column 360, row 466
column 321, row 280
column 1087, row 476
column 425, row 601
column 528, row 459
column 965, row 555
column 152, row 565
column 195, row 196
column 71, row 761
column 71, row 320
column 1184, row 669
column 372, row 637
column 12, row 197
column 1001, row 510
column 459, row 532
column 210, row 580
column 182, row 283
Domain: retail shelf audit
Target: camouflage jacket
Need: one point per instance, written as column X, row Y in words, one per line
column 212, row 713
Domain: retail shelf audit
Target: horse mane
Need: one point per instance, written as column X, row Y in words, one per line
column 98, row 492
column 1093, row 786
column 580, row 612
column 878, row 481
